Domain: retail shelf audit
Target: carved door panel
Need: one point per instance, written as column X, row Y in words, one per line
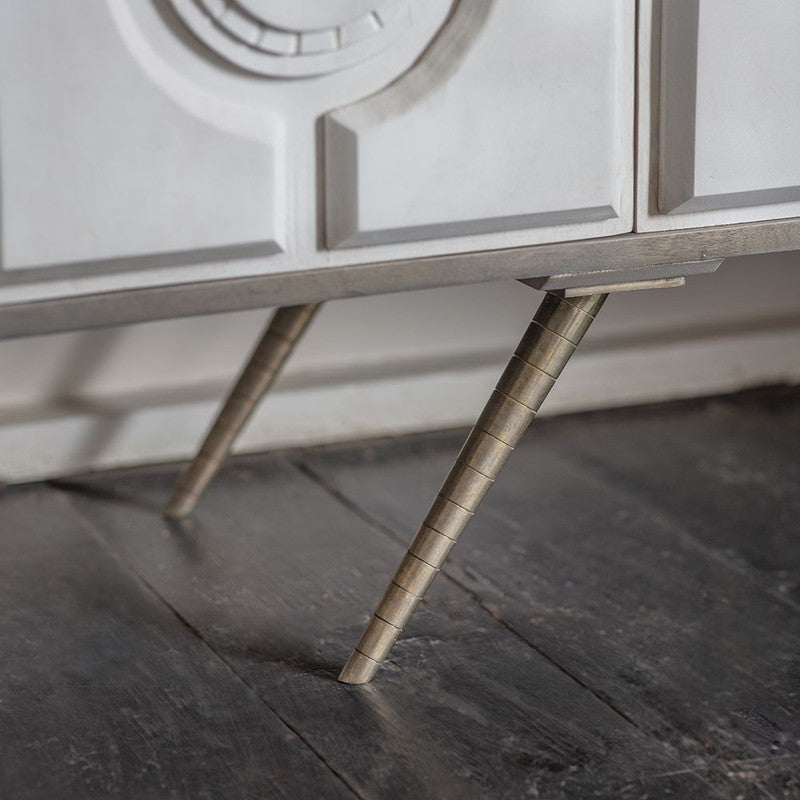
column 719, row 112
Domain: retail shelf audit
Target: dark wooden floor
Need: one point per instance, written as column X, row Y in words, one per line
column 622, row 619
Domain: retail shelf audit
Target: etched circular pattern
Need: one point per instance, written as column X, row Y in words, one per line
column 294, row 38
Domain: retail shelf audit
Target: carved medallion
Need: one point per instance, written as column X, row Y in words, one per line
column 294, row 39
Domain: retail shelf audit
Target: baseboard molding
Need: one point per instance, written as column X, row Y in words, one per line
column 57, row 443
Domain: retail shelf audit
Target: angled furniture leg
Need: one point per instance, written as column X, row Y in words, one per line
column 555, row 332
column 284, row 330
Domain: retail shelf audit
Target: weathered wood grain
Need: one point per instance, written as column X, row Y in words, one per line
column 278, row 577
column 104, row 693
column 622, row 549
column 731, row 466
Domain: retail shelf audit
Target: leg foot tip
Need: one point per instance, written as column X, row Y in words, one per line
column 177, row 508
column 359, row 669
column 172, row 513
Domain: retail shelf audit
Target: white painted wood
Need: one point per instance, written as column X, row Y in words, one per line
column 97, row 165
column 133, row 156
column 518, row 117
column 719, row 112
column 146, row 393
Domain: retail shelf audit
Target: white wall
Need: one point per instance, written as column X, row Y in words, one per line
column 382, row 365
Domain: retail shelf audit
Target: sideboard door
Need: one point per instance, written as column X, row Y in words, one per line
column 720, row 97
column 161, row 143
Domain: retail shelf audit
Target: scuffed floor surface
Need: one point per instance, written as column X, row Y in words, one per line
column 620, row 620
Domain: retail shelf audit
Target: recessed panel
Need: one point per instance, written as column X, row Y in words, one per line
column 99, row 165
column 719, row 112
column 516, row 118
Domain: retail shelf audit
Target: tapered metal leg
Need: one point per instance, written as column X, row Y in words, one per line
column 282, row 333
column 556, row 330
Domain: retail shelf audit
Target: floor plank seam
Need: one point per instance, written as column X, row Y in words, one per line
column 145, row 584
column 320, row 480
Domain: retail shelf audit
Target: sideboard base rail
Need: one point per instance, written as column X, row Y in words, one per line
column 43, row 314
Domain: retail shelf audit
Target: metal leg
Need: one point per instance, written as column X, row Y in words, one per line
column 278, row 341
column 556, row 330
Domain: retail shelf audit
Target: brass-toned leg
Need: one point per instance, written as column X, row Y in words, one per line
column 282, row 333
column 556, row 330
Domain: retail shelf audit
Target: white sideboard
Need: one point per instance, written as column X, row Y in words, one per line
column 171, row 157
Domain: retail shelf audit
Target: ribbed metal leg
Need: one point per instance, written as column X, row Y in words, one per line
column 282, row 333
column 556, row 330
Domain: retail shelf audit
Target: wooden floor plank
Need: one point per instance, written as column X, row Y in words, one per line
column 655, row 591
column 730, row 467
column 104, row 693
column 278, row 577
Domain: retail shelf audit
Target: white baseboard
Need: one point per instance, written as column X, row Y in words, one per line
column 57, row 442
